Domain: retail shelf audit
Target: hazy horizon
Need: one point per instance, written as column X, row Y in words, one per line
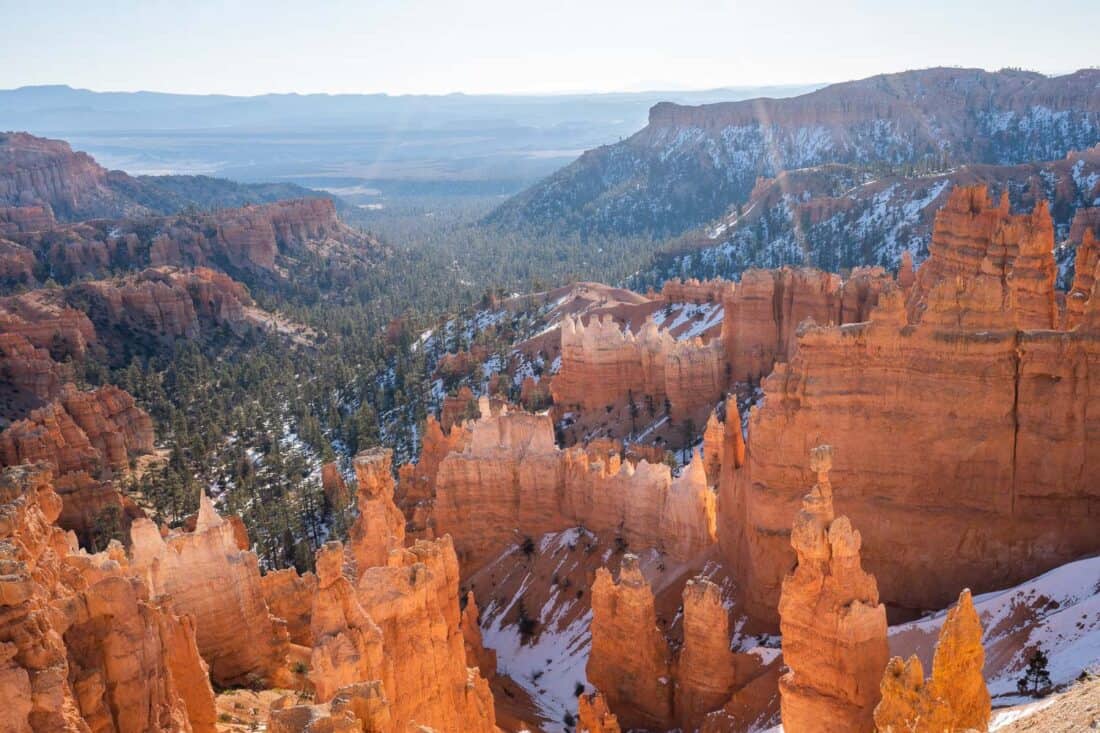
column 429, row 47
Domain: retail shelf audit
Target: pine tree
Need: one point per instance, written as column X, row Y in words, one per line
column 1036, row 677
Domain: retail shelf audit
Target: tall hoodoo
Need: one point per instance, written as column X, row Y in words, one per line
column 833, row 626
column 380, row 526
column 630, row 660
column 955, row 698
column 706, row 671
column 593, row 715
column 347, row 644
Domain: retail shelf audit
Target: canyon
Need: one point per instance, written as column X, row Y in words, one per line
column 713, row 506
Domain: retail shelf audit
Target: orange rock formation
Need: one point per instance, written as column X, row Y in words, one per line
column 630, row 663
column 594, row 717
column 511, row 476
column 763, row 314
column 82, row 645
column 390, row 650
column 380, row 526
column 955, row 698
column 602, row 364
column 207, row 575
column 833, row 626
column 289, row 596
column 706, row 671
column 347, row 645
column 971, row 378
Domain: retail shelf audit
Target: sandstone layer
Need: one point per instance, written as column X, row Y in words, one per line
column 993, row 404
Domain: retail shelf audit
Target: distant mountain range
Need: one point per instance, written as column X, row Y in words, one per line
column 392, row 145
column 691, row 164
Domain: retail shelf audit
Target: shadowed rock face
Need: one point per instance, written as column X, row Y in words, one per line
column 833, row 627
column 630, row 662
column 82, row 645
column 986, row 384
column 955, row 697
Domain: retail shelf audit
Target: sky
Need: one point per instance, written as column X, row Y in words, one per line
column 509, row 46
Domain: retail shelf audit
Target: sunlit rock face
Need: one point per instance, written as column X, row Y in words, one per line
column 380, row 526
column 391, row 649
column 969, row 375
column 833, row 626
column 208, row 575
column 83, row 644
column 510, row 475
column 955, row 698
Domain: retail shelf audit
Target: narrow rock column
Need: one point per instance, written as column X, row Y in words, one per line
column 707, row 673
column 833, row 626
column 629, row 662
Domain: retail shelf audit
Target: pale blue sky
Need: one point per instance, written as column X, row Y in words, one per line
column 435, row 46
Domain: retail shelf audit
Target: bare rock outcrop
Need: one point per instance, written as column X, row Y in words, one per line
column 630, row 662
column 476, row 652
column 971, row 374
column 205, row 574
column 347, row 645
column 82, row 645
column 380, row 526
column 89, row 438
column 763, row 313
column 510, row 475
column 289, row 596
column 603, row 364
column 955, row 698
column 833, row 626
column 593, row 715
column 334, row 486
column 706, row 671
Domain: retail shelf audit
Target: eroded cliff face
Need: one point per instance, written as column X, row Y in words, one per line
column 971, row 375
column 207, row 574
column 259, row 239
column 89, row 438
column 510, row 477
column 955, row 698
column 165, row 304
column 833, row 626
column 390, row 652
column 37, row 171
column 603, row 364
column 763, row 313
column 83, row 645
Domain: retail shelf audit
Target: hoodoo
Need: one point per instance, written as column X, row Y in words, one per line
column 955, row 698
column 833, row 626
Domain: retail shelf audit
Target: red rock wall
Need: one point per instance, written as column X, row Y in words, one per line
column 977, row 476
